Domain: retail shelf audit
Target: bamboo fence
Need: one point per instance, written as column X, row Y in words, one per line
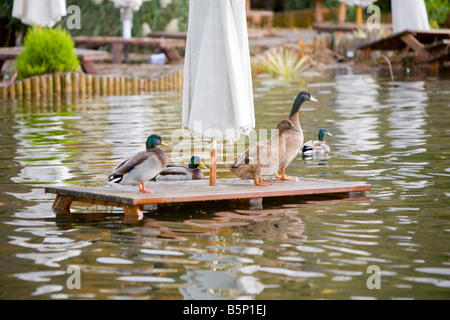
column 85, row 85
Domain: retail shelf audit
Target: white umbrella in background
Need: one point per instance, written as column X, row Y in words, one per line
column 409, row 14
column 217, row 89
column 126, row 10
column 45, row 13
column 362, row 3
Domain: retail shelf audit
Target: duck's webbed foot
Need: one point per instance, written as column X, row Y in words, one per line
column 260, row 182
column 283, row 175
column 142, row 188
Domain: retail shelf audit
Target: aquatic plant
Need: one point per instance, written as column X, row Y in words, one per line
column 46, row 50
column 284, row 61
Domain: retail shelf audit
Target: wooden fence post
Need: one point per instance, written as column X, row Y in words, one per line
column 12, row 92
column 19, row 89
column 35, row 85
column 67, row 83
column 50, row 86
column 57, row 86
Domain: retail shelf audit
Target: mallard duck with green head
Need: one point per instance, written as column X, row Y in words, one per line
column 317, row 146
column 142, row 166
column 178, row 172
column 294, row 139
column 263, row 158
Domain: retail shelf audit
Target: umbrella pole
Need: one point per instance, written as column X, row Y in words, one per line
column 127, row 26
column 213, row 164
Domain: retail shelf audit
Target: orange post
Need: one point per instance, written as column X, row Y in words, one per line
column 319, row 13
column 359, row 15
column 213, row 164
column 342, row 12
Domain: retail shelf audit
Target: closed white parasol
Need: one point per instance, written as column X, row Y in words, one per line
column 45, row 13
column 217, row 92
column 409, row 14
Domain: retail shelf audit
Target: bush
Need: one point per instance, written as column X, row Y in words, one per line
column 46, row 50
column 437, row 12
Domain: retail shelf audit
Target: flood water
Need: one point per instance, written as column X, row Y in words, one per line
column 392, row 135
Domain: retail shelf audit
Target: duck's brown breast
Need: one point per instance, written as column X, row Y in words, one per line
column 294, row 143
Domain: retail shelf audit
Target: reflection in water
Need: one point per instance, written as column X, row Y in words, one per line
column 407, row 100
column 41, row 151
column 211, row 284
column 356, row 100
column 391, row 134
column 140, row 121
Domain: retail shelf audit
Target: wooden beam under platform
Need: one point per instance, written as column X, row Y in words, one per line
column 198, row 192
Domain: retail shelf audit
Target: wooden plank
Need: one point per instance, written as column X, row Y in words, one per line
column 394, row 42
column 89, row 67
column 439, row 58
column 117, row 53
column 62, row 202
column 168, row 35
column 91, row 55
column 172, row 54
column 416, row 46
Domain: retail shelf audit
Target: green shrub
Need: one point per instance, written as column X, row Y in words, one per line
column 437, row 12
column 46, row 50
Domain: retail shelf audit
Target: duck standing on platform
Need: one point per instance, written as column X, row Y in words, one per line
column 143, row 166
column 263, row 158
column 294, row 139
column 318, row 146
column 193, row 172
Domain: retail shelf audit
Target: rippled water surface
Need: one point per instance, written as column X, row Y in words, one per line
column 393, row 135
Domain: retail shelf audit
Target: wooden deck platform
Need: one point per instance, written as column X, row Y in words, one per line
column 181, row 192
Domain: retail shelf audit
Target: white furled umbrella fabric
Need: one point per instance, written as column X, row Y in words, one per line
column 409, row 15
column 217, row 89
column 45, row 13
column 362, row 3
column 134, row 5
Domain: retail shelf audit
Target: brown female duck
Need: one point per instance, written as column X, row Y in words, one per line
column 294, row 139
column 263, row 158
